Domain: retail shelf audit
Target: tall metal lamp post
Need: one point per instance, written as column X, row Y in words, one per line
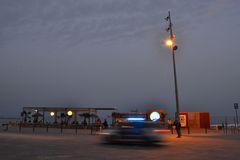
column 170, row 42
column 236, row 108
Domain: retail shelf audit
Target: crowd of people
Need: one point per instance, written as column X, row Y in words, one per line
column 98, row 124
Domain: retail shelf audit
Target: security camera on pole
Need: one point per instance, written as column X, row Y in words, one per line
column 171, row 43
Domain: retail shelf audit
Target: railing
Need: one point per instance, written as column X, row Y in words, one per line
column 55, row 128
column 92, row 129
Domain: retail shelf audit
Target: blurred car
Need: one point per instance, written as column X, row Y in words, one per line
column 132, row 132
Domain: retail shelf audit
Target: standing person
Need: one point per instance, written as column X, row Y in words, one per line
column 84, row 123
column 223, row 127
column 105, row 124
column 170, row 125
column 177, row 125
column 98, row 125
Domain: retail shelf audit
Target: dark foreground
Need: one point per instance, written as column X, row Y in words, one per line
column 88, row 147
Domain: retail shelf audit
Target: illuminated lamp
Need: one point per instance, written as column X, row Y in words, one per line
column 69, row 113
column 154, row 116
column 169, row 42
column 52, row 114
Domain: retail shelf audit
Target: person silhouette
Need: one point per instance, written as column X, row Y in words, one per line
column 177, row 125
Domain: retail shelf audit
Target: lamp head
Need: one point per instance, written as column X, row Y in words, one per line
column 69, row 113
column 175, row 47
column 169, row 42
column 52, row 114
column 167, row 18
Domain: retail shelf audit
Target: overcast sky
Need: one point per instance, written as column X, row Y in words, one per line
column 110, row 53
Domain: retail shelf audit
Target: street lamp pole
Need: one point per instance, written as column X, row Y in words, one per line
column 174, row 48
column 176, row 86
column 236, row 108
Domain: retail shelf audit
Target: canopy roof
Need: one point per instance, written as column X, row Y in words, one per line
column 65, row 109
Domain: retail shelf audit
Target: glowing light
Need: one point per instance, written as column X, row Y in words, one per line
column 161, row 130
column 169, row 42
column 154, row 116
column 52, row 114
column 69, row 113
column 127, row 127
column 136, row 119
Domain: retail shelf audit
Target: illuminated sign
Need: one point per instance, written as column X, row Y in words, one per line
column 183, row 120
column 154, row 116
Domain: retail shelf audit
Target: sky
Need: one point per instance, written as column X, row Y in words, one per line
column 111, row 53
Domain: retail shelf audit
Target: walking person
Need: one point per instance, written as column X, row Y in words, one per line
column 177, row 125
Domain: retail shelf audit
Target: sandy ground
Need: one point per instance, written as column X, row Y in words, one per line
column 51, row 145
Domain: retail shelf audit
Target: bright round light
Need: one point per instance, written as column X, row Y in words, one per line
column 169, row 42
column 69, row 113
column 154, row 116
column 52, row 114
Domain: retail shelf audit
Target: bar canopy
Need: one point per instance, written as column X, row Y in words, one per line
column 65, row 109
